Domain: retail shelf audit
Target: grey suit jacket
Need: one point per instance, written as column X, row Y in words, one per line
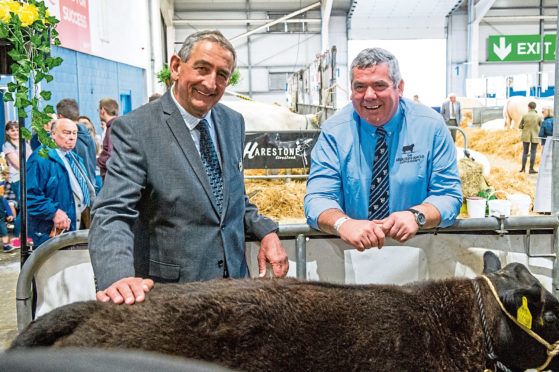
column 156, row 217
column 445, row 111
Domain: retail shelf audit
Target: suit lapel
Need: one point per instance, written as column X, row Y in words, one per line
column 220, row 123
column 176, row 124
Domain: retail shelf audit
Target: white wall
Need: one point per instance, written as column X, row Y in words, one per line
column 120, row 31
column 262, row 53
column 422, row 76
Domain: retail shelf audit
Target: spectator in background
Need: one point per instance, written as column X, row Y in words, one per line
column 11, row 152
column 452, row 114
column 154, row 96
column 6, row 214
column 416, row 98
column 35, row 138
column 546, row 129
column 530, row 125
column 85, row 145
column 85, row 121
column 108, row 112
column 59, row 193
column 103, row 131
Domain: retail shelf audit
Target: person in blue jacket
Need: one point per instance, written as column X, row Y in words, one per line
column 416, row 182
column 546, row 129
column 59, row 193
column 85, row 147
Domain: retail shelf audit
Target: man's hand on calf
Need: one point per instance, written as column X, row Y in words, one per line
column 127, row 290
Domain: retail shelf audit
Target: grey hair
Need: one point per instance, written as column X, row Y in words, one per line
column 211, row 35
column 55, row 123
column 371, row 56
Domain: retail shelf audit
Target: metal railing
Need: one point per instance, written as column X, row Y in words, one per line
column 299, row 232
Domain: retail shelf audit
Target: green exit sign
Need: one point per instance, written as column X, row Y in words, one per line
column 513, row 48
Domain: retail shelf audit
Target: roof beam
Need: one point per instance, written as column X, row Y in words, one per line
column 185, row 22
column 279, row 20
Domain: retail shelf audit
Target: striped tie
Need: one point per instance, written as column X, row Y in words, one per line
column 79, row 177
column 378, row 197
column 211, row 163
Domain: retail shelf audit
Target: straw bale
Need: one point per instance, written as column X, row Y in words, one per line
column 504, row 143
column 262, row 172
column 471, row 175
column 278, row 199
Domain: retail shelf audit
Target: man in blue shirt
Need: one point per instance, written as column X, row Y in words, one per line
column 424, row 187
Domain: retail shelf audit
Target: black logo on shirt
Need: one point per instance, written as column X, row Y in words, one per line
column 408, row 148
column 409, row 156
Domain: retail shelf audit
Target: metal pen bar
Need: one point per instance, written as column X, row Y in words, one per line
column 301, row 252
column 24, row 252
column 279, row 176
column 24, row 290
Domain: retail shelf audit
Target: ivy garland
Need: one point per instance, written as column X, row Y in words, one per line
column 29, row 28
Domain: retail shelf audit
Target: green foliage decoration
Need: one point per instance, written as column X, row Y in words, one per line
column 235, row 78
column 164, row 74
column 29, row 28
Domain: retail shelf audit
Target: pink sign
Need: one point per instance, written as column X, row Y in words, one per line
column 74, row 25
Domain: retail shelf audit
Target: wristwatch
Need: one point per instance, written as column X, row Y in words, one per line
column 419, row 217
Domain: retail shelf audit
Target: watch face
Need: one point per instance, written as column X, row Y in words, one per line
column 420, row 218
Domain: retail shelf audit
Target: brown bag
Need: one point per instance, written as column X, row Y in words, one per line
column 55, row 232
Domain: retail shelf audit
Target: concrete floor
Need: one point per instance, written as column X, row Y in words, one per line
column 9, row 271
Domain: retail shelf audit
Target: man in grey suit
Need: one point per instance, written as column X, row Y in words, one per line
column 173, row 207
column 450, row 110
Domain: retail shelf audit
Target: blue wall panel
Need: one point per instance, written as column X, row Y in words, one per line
column 98, row 79
column 66, row 78
column 131, row 81
column 88, row 79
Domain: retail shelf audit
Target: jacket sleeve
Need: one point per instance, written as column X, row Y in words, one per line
column 445, row 188
column 324, row 186
column 111, row 239
column 38, row 180
column 443, row 110
column 255, row 223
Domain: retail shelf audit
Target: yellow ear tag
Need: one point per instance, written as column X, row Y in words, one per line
column 523, row 314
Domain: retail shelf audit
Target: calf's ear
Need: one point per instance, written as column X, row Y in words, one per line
column 491, row 262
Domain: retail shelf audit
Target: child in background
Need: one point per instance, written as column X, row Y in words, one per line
column 6, row 212
column 5, row 215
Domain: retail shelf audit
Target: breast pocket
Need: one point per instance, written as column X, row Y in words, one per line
column 409, row 165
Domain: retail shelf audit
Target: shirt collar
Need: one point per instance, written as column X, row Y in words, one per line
column 190, row 120
column 62, row 153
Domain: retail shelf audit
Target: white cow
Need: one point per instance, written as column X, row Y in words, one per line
column 493, row 125
column 270, row 118
column 517, row 106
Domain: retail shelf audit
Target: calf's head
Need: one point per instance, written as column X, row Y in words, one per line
column 524, row 297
